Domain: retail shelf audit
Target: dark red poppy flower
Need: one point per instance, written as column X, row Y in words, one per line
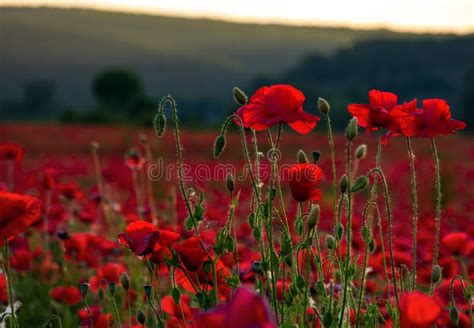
column 17, row 213
column 435, row 119
column 69, row 295
column 134, row 159
column 245, row 310
column 12, row 152
column 457, row 243
column 49, row 180
column 191, row 253
column 304, row 180
column 376, row 114
column 277, row 104
column 140, row 237
column 174, row 311
column 70, row 191
column 418, row 310
column 111, row 272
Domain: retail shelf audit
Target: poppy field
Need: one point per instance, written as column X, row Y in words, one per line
column 273, row 220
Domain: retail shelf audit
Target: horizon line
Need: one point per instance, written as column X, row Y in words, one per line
column 249, row 21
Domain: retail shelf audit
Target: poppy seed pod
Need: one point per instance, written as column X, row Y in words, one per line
column 148, row 288
column 230, row 182
column 351, row 130
column 316, row 156
column 141, row 318
column 159, row 123
column 360, row 184
column 323, row 106
column 84, row 288
column 239, row 96
column 313, row 217
column 219, row 145
column 343, row 184
column 125, row 281
column 436, row 274
column 361, row 151
column 301, row 157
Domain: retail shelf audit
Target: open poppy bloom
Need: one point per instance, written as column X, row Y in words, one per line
column 376, row 114
column 11, row 151
column 17, row 213
column 277, row 104
column 191, row 253
column 304, row 180
column 245, row 310
column 69, row 295
column 457, row 243
column 140, row 237
column 418, row 310
column 435, row 119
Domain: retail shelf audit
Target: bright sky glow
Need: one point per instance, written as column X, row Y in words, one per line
column 406, row 15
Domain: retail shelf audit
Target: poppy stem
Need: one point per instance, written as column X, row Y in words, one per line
column 6, row 268
column 117, row 315
column 438, row 209
column 411, row 155
column 88, row 309
column 149, row 182
column 333, row 164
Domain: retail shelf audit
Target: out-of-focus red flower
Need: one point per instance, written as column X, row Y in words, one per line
column 49, row 180
column 3, row 289
column 21, row 259
column 140, row 237
column 304, row 180
column 11, row 151
column 418, row 310
column 134, row 159
column 169, row 306
column 69, row 295
column 277, row 104
column 111, row 272
column 245, row 310
column 191, row 253
column 101, row 320
column 457, row 243
column 70, row 191
column 17, row 213
column 434, row 120
column 376, row 114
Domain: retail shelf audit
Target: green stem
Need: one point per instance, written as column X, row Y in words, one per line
column 411, row 155
column 6, row 267
column 438, row 209
column 117, row 315
column 88, row 309
column 333, row 164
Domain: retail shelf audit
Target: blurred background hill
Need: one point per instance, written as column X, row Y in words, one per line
column 95, row 66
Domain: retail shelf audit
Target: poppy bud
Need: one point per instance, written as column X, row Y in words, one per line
column 148, row 288
column 252, row 220
column 94, row 146
column 257, row 234
column 112, row 287
column 206, row 267
column 63, row 235
column 330, row 242
column 436, row 274
column 239, row 96
column 141, row 318
column 84, row 288
column 454, row 315
column 316, row 155
column 339, row 231
column 125, row 281
column 313, row 217
column 343, row 184
column 360, row 184
column 372, row 246
column 351, row 130
column 159, row 123
column 361, row 151
column 176, row 295
column 219, row 145
column 301, row 157
column 257, row 267
column 323, row 106
column 230, row 182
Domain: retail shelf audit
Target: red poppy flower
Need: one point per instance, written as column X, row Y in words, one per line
column 170, row 307
column 17, row 213
column 304, row 180
column 418, row 310
column 191, row 253
column 3, row 289
column 456, row 243
column 111, row 272
column 277, row 104
column 134, row 160
column 140, row 237
column 435, row 119
column 376, row 114
column 70, row 190
column 245, row 310
column 69, row 295
column 11, row 151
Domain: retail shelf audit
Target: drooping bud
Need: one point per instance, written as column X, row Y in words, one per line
column 343, row 184
column 84, row 288
column 230, row 182
column 219, row 145
column 361, row 151
column 330, row 242
column 323, row 106
column 159, row 123
column 351, row 130
column 313, row 217
column 125, row 281
column 436, row 274
column 148, row 289
column 141, row 318
column 301, row 157
column 454, row 315
column 239, row 96
column 112, row 287
column 316, row 156
column 360, row 184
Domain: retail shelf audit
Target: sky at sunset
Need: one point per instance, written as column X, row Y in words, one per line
column 407, row 15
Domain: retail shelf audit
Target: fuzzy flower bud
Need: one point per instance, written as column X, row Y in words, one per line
column 125, row 281
column 343, row 184
column 323, row 106
column 361, row 151
column 239, row 96
column 360, row 184
column 219, row 145
column 301, row 157
column 330, row 242
column 351, row 130
column 436, row 274
column 159, row 124
column 313, row 217
column 230, row 182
